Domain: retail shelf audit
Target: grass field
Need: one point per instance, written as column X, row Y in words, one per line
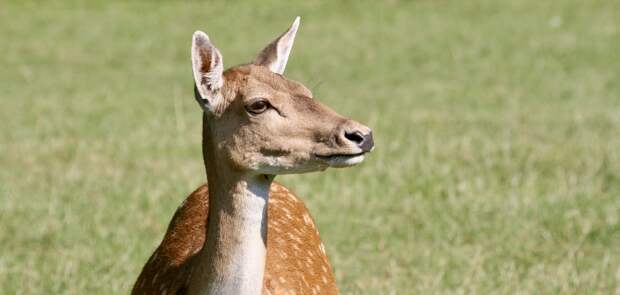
column 497, row 123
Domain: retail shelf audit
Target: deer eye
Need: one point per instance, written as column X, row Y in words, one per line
column 257, row 107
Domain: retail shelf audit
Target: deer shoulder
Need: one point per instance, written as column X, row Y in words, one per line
column 296, row 258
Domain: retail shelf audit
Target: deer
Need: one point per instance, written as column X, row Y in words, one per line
column 242, row 232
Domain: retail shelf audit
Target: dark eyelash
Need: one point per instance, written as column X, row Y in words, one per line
column 264, row 106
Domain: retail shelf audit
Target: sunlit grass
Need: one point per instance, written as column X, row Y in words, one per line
column 497, row 168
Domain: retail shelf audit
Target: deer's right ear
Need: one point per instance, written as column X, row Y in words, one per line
column 208, row 67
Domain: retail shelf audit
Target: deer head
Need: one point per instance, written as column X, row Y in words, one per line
column 256, row 120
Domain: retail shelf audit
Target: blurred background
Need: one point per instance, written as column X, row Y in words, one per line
column 497, row 167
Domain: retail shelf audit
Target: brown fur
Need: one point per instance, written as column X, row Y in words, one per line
column 296, row 261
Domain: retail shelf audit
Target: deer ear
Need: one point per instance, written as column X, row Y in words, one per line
column 208, row 66
column 275, row 55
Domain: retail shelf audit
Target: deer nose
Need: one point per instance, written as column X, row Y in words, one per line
column 363, row 141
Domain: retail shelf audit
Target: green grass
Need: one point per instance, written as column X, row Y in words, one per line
column 497, row 123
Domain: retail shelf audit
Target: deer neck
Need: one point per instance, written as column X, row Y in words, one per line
column 233, row 257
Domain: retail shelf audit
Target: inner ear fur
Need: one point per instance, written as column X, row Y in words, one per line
column 275, row 55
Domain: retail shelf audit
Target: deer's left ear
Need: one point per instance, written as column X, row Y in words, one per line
column 275, row 55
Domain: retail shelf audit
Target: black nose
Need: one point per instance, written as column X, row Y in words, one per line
column 363, row 141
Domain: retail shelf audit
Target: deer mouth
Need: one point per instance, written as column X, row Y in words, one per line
column 342, row 160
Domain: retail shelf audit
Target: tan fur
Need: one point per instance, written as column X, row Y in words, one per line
column 309, row 127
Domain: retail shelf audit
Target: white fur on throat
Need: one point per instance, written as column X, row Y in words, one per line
column 245, row 270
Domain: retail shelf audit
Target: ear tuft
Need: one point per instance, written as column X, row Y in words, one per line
column 275, row 55
column 295, row 24
column 200, row 38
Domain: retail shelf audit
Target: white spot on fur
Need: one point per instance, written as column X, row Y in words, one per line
column 322, row 247
column 292, row 197
column 307, row 219
column 296, row 238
